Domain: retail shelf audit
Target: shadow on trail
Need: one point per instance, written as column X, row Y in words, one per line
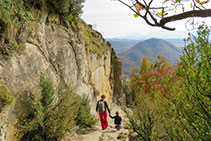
column 110, row 131
column 86, row 131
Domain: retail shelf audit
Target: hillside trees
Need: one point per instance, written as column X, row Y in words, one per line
column 166, row 11
column 141, row 80
column 145, row 84
column 178, row 97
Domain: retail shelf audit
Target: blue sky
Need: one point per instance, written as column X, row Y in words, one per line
column 113, row 19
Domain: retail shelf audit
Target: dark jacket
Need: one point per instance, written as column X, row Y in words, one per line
column 117, row 119
column 106, row 106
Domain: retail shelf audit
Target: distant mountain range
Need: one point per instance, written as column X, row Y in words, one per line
column 131, row 55
column 164, row 34
column 121, row 45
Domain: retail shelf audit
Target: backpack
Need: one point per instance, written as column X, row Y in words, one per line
column 101, row 107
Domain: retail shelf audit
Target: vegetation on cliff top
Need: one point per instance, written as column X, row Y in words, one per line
column 13, row 19
column 94, row 41
column 16, row 14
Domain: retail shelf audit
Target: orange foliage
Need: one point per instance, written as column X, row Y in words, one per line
column 154, row 78
column 161, row 80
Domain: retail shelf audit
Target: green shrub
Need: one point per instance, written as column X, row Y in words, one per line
column 62, row 115
column 30, row 116
column 195, row 70
column 73, row 7
column 69, row 10
column 47, row 116
column 84, row 118
column 5, row 96
column 62, row 7
column 141, row 121
column 47, row 91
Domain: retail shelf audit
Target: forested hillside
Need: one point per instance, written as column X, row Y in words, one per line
column 150, row 48
column 172, row 102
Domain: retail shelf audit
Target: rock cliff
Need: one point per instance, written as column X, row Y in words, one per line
column 78, row 55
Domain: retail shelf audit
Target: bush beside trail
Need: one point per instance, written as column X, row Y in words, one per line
column 50, row 114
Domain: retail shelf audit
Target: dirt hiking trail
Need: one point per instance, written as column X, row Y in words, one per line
column 97, row 134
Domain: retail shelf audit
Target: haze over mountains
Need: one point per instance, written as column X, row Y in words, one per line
column 121, row 45
column 131, row 53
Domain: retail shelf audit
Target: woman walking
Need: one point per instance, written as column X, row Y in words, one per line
column 102, row 108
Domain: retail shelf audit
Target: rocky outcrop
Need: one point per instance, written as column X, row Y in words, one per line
column 3, row 127
column 117, row 81
column 61, row 53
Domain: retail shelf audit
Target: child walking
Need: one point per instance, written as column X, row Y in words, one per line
column 117, row 120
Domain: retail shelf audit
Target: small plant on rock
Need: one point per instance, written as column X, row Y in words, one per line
column 5, row 96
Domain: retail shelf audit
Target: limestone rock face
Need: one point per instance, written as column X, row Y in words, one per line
column 59, row 53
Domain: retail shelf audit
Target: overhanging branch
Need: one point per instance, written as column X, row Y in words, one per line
column 193, row 13
column 151, row 20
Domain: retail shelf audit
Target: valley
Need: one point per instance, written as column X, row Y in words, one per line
column 131, row 52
